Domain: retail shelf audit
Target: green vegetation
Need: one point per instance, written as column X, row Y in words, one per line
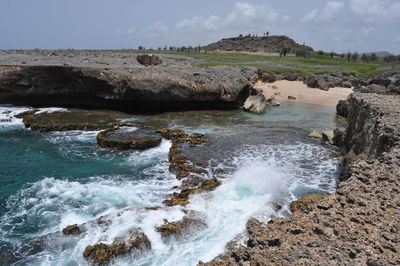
column 315, row 63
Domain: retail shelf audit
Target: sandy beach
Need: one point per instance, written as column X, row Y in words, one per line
column 282, row 89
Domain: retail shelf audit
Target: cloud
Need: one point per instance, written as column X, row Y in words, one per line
column 376, row 11
column 310, row 16
column 327, row 14
column 331, row 9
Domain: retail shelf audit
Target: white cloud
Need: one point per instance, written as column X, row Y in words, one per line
column 327, row 14
column 331, row 9
column 310, row 16
column 376, row 11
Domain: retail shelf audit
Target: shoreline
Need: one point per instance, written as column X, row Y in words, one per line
column 281, row 89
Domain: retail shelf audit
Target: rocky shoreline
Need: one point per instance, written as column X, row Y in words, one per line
column 98, row 79
column 360, row 223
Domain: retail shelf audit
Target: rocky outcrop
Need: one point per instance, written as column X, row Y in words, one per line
column 387, row 83
column 128, row 138
column 149, row 60
column 270, row 43
column 72, row 119
column 180, row 228
column 102, row 254
column 360, row 223
column 112, row 85
column 257, row 104
column 331, row 79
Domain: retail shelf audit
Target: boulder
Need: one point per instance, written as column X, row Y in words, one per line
column 266, row 77
column 328, row 135
column 291, row 98
column 256, row 104
column 149, row 60
column 315, row 134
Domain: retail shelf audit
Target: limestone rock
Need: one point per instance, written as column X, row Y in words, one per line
column 149, row 59
column 256, row 104
column 328, row 135
column 315, row 134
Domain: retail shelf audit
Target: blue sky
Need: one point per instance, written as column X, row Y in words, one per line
column 338, row 25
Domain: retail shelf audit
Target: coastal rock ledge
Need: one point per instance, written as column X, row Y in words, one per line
column 360, row 223
column 137, row 88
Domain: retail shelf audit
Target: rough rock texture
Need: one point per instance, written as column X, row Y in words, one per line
column 180, row 228
column 123, row 138
column 81, row 79
column 149, row 60
column 257, row 104
column 101, row 254
column 360, row 223
column 270, row 43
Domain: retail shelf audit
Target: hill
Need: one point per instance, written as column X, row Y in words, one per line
column 267, row 44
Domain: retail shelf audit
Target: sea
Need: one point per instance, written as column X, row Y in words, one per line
column 49, row 180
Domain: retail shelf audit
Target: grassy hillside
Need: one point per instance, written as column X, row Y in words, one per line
column 312, row 64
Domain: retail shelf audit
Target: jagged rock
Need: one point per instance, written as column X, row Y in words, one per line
column 121, row 139
column 372, row 88
column 341, row 108
column 149, row 59
column 266, row 77
column 256, row 104
column 104, row 254
column 305, row 202
column 72, row 230
column 182, row 198
column 315, row 134
column 393, row 89
column 179, row 228
column 291, row 98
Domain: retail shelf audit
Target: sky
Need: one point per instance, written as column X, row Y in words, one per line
column 329, row 25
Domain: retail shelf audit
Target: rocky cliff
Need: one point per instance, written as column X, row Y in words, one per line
column 81, row 79
column 269, row 44
column 360, row 223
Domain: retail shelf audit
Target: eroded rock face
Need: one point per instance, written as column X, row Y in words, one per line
column 360, row 223
column 139, row 89
column 149, row 60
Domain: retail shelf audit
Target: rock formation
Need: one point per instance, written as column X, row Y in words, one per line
column 270, row 43
column 360, row 223
column 51, row 81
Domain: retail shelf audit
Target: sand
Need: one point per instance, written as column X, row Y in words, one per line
column 282, row 89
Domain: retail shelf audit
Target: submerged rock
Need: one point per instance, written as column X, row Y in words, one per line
column 179, row 228
column 126, row 138
column 103, row 254
column 182, row 198
column 257, row 104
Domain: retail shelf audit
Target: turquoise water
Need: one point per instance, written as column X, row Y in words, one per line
column 50, row 180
